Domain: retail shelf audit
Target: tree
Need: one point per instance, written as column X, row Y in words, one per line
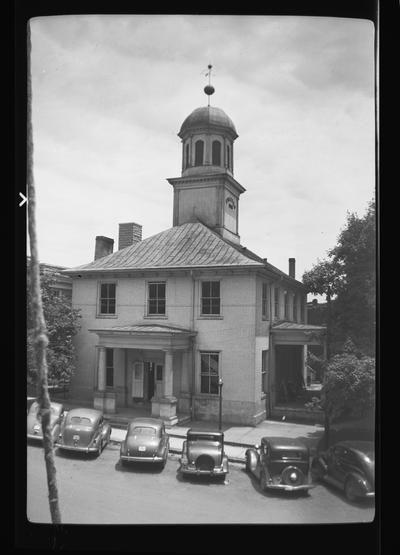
column 355, row 255
column 62, row 323
column 324, row 279
column 348, row 390
column 347, row 279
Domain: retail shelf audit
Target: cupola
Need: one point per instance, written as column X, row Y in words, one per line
column 207, row 191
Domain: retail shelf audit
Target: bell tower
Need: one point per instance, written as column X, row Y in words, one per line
column 207, row 191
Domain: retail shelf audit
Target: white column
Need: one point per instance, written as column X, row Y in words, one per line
column 185, row 372
column 101, row 376
column 305, row 364
column 168, row 374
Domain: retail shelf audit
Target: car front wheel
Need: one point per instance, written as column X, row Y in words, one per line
column 351, row 489
column 263, row 480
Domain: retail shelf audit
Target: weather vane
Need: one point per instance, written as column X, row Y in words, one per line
column 209, row 89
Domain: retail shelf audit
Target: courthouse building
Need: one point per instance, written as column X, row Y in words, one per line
column 170, row 320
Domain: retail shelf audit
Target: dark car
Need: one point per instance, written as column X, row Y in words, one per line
column 348, row 465
column 280, row 463
column 146, row 441
column 203, row 453
column 34, row 424
column 84, row 430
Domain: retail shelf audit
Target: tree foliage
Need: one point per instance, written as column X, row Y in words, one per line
column 347, row 279
column 62, row 323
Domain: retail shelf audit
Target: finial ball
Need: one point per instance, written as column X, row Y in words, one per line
column 209, row 89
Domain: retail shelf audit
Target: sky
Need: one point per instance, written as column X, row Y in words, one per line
column 110, row 92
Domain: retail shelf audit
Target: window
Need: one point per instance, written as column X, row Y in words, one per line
column 187, row 156
column 295, row 307
column 107, row 298
column 156, row 298
column 209, row 373
column 198, row 153
column 210, row 297
column 301, row 310
column 264, row 385
column 276, row 302
column 228, row 157
column 109, row 367
column 264, row 301
column 159, row 372
column 216, row 153
column 286, row 304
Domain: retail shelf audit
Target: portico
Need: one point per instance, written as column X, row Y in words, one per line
column 143, row 365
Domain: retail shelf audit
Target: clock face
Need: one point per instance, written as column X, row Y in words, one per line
column 230, row 203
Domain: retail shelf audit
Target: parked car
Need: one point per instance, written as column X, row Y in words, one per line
column 84, row 430
column 34, row 424
column 281, row 464
column 146, row 441
column 348, row 465
column 203, row 453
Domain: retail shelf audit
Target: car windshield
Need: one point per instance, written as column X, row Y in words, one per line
column 82, row 420
column 204, row 438
column 287, row 454
column 143, row 431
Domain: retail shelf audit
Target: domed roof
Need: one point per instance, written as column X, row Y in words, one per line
column 206, row 116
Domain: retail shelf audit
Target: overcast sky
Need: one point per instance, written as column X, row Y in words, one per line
column 110, row 94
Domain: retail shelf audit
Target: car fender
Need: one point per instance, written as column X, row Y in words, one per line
column 225, row 463
column 360, row 481
column 252, row 457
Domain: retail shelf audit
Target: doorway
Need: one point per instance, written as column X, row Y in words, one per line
column 149, row 368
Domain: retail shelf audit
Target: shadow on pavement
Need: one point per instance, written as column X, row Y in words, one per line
column 139, row 468
column 81, row 455
column 202, row 480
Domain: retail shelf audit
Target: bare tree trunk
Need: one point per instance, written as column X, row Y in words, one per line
column 40, row 339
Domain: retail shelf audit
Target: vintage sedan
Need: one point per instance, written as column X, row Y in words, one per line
column 203, row 454
column 146, row 441
column 84, row 430
column 280, row 463
column 34, row 424
column 348, row 465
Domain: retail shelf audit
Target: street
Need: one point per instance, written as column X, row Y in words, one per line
column 97, row 491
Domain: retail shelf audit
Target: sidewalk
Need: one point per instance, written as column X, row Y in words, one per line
column 237, row 438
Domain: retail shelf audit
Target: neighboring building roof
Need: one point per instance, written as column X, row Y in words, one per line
column 190, row 245
column 206, row 116
column 296, row 327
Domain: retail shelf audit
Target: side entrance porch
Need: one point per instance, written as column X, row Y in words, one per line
column 143, row 366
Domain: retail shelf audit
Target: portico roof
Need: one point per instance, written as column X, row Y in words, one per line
column 300, row 334
column 144, row 336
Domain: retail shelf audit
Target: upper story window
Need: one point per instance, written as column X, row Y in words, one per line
column 276, row 302
column 187, row 164
column 286, row 304
column 228, row 156
column 198, row 153
column 209, row 373
column 210, row 297
column 295, row 307
column 264, row 301
column 109, row 367
column 107, row 298
column 156, row 298
column 216, row 153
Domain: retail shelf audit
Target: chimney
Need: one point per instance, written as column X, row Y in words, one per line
column 292, row 267
column 129, row 234
column 104, row 246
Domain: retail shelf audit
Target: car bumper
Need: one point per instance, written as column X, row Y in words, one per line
column 196, row 472
column 369, row 495
column 128, row 458
column 286, row 487
column 35, row 436
column 77, row 448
